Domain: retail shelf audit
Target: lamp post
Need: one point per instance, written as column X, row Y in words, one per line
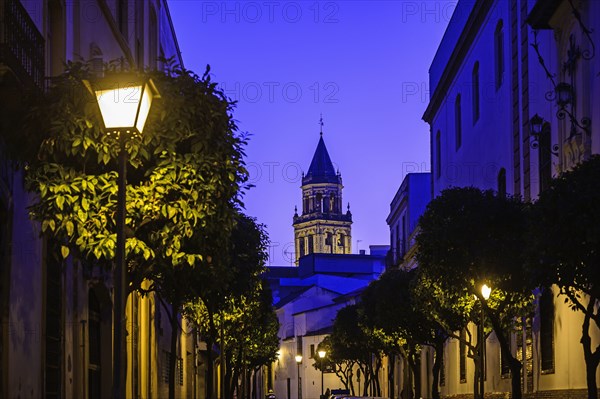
column 124, row 100
column 299, row 362
column 485, row 294
column 322, row 355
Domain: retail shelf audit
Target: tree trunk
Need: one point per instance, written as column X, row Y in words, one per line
column 413, row 362
column 210, row 372
column 173, row 357
column 476, row 394
column 255, row 383
column 514, row 365
column 376, row 377
column 591, row 358
column 391, row 372
column 437, row 366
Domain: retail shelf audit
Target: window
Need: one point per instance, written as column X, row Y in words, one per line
column 166, row 366
column 442, row 370
column 545, row 157
column 458, row 122
column 475, row 94
column 312, row 351
column 53, row 321
column 462, row 361
column 499, row 53
column 547, row 331
column 502, row 182
column 301, row 246
column 152, row 39
column 179, row 369
column 122, row 17
column 310, row 245
column 95, row 346
column 438, row 155
column 404, row 238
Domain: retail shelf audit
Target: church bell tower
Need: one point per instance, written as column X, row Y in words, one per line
column 322, row 226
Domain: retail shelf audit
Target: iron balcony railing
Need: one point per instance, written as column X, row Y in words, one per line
column 21, row 44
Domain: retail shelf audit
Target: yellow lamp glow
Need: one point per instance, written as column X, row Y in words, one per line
column 485, row 292
column 124, row 101
column 322, row 354
column 298, row 358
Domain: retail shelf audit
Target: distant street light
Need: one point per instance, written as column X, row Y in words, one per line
column 298, row 362
column 485, row 293
column 322, row 355
column 124, row 100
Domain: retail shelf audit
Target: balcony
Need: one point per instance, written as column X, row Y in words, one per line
column 340, row 217
column 21, row 45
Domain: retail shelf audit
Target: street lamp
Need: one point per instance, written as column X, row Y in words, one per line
column 298, row 362
column 124, row 100
column 322, row 355
column 485, row 294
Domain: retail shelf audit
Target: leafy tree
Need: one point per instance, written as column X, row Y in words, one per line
column 338, row 360
column 390, row 305
column 353, row 342
column 247, row 327
column 184, row 173
column 468, row 238
column 565, row 233
column 226, row 288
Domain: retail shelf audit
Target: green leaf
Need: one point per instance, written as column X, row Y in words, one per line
column 64, row 251
column 70, row 228
column 60, row 201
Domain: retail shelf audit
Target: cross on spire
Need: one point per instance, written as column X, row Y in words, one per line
column 321, row 123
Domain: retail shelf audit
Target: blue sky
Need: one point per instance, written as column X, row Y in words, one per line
column 363, row 65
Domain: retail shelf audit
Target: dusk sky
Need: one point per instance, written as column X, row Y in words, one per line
column 363, row 65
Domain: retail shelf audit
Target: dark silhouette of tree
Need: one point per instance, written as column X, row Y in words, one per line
column 469, row 237
column 565, row 233
column 353, row 342
column 231, row 300
column 391, row 306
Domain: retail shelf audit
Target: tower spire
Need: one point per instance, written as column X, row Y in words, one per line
column 321, row 123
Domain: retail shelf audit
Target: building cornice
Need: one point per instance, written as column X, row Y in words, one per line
column 467, row 36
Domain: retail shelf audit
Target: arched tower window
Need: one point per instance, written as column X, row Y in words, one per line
column 458, row 122
column 319, row 202
column 499, row 53
column 326, row 204
column 476, row 94
column 301, row 246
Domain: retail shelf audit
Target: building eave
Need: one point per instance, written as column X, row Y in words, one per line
column 467, row 36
